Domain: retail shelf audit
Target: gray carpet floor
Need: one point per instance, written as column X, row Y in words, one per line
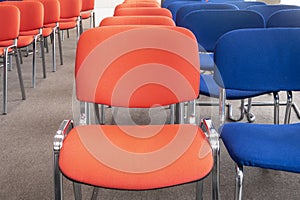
column 26, row 137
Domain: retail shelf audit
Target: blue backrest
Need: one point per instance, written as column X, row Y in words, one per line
column 244, row 4
column 268, row 10
column 166, row 3
column 258, row 59
column 285, row 18
column 175, row 6
column 209, row 25
column 184, row 10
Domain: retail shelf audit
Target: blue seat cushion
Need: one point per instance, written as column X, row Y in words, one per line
column 263, row 145
column 209, row 87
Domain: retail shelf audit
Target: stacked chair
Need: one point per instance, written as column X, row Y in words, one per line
column 145, row 61
column 10, row 28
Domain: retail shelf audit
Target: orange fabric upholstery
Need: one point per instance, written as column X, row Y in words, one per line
column 137, row 5
column 137, row 20
column 145, row 50
column 9, row 32
column 30, row 12
column 69, row 10
column 143, row 11
column 87, row 5
column 51, row 12
column 156, row 160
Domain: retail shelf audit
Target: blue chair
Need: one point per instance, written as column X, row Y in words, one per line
column 286, row 18
column 208, row 26
column 184, row 10
column 175, row 6
column 267, row 10
column 260, row 145
column 242, row 5
column 166, row 3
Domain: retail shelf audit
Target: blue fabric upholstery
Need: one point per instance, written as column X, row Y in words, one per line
column 242, row 5
column 207, row 61
column 209, row 25
column 185, row 9
column 208, row 87
column 259, row 59
column 284, row 18
column 166, row 3
column 175, row 6
column 263, row 145
column 267, row 10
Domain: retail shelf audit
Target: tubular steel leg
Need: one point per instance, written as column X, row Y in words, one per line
column 60, row 47
column 250, row 116
column 53, row 50
column 199, row 190
column 222, row 106
column 191, row 112
column 230, row 115
column 20, row 75
column 289, row 105
column 172, row 114
column 95, row 193
column 276, row 108
column 58, row 185
column 43, row 56
column 77, row 191
column 239, row 182
column 5, row 56
column 34, row 62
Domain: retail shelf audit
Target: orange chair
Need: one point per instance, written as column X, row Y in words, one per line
column 137, row 5
column 51, row 18
column 143, row 11
column 137, row 20
column 31, row 24
column 9, row 31
column 87, row 12
column 136, row 70
column 69, row 19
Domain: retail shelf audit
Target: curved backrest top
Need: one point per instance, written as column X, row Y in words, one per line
column 137, row 4
column 51, row 11
column 184, row 10
column 137, row 20
column 259, row 59
column 70, row 8
column 285, row 18
column 166, row 3
column 267, row 10
column 209, row 25
column 31, row 14
column 9, row 26
column 175, row 6
column 245, row 4
column 143, row 11
column 151, row 66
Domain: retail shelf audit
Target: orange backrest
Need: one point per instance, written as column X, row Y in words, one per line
column 70, row 8
column 137, row 4
column 143, row 11
column 31, row 14
column 137, row 66
column 137, row 20
column 51, row 11
column 9, row 26
column 87, row 5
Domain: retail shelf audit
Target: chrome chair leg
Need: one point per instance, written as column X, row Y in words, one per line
column 52, row 36
column 191, row 114
column 58, row 186
column 95, row 193
column 172, row 114
column 276, row 108
column 20, row 75
column 239, row 182
column 289, row 105
column 34, row 62
column 77, row 191
column 5, row 57
column 60, row 47
column 199, row 190
column 242, row 113
column 42, row 43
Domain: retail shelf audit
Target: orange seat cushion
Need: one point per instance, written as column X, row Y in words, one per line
column 47, row 31
column 136, row 157
column 24, row 41
column 85, row 15
column 67, row 25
